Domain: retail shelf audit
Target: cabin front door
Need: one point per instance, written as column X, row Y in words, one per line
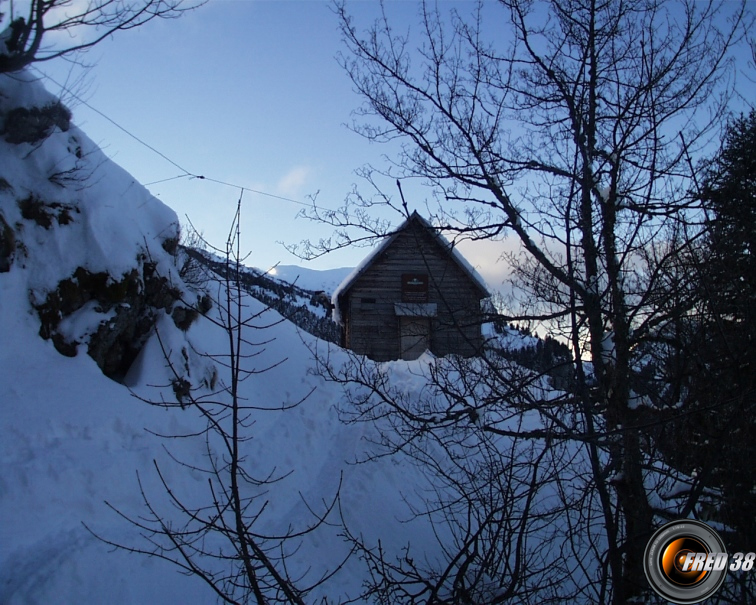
column 414, row 337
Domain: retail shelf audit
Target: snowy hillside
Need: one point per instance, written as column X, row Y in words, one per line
column 90, row 256
column 106, row 356
column 311, row 279
column 307, row 308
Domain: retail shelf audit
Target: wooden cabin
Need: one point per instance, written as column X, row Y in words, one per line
column 413, row 293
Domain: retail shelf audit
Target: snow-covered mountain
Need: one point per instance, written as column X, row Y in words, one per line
column 326, row 280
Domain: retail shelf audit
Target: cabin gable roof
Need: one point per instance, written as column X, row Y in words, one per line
column 444, row 244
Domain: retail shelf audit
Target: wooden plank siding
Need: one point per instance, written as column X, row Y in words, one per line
column 371, row 325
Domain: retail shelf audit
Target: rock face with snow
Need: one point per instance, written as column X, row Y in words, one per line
column 34, row 124
column 100, row 249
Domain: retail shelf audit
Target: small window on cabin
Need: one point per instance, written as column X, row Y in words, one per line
column 368, row 301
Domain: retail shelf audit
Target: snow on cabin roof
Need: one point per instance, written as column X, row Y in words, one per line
column 387, row 241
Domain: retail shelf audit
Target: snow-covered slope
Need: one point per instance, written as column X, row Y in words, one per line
column 311, row 279
column 72, row 439
column 308, row 308
column 75, row 207
column 89, row 287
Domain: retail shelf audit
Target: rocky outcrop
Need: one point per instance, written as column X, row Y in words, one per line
column 33, row 124
column 127, row 307
column 97, row 252
column 46, row 214
column 7, row 245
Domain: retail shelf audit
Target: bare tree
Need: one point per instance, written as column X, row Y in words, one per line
column 571, row 125
column 220, row 537
column 56, row 28
column 492, row 474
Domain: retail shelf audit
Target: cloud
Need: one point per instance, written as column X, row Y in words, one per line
column 292, row 182
column 486, row 257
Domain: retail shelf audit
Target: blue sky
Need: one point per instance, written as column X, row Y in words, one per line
column 248, row 92
column 244, row 92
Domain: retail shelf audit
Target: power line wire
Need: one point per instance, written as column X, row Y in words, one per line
column 112, row 121
column 277, row 197
column 172, row 178
column 186, row 173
